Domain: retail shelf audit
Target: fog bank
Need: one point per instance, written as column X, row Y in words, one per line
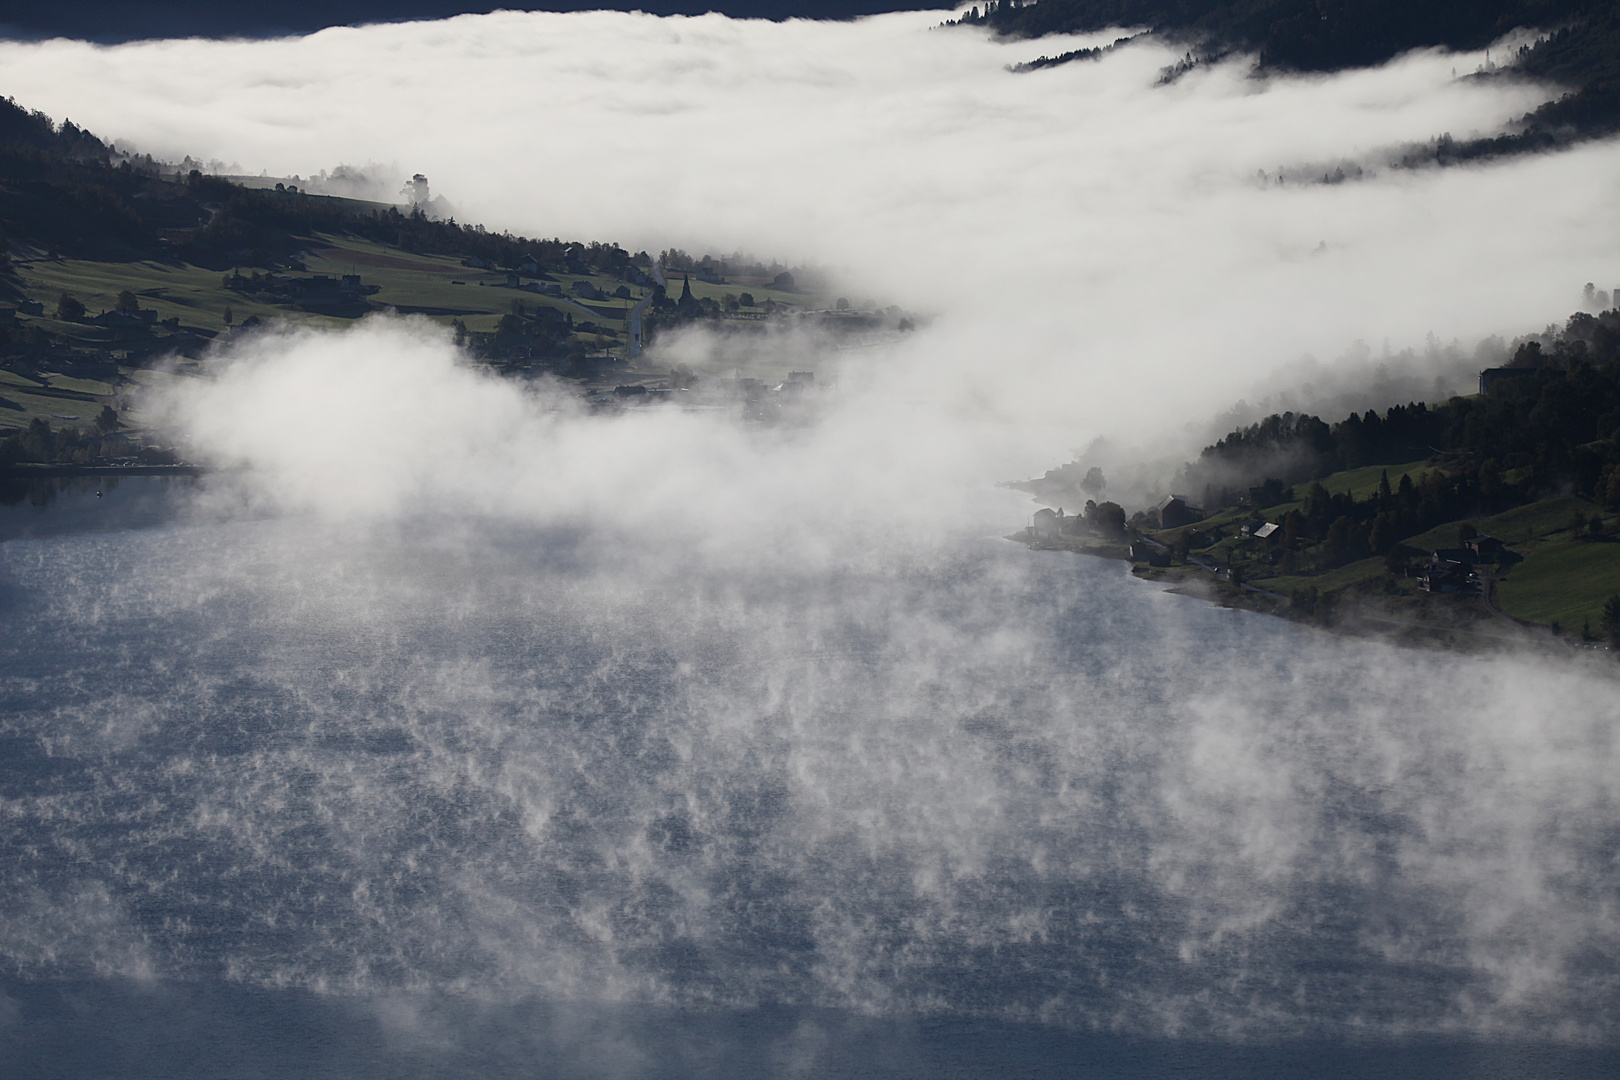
column 1102, row 252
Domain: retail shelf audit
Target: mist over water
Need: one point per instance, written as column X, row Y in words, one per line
column 436, row 775
column 449, row 729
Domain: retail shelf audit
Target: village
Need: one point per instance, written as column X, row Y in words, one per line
column 1453, row 584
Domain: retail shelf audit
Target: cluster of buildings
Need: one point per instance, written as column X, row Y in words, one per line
column 1258, row 529
column 1451, row 570
column 1448, row 570
column 1051, row 526
column 319, row 292
column 583, row 290
column 130, row 333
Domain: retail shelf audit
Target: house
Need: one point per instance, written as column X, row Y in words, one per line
column 31, row 307
column 622, row 292
column 121, row 320
column 476, row 263
column 1174, row 512
column 1485, row 548
column 1491, row 376
column 585, row 290
column 1448, row 580
column 1047, row 525
column 1266, row 531
column 321, row 291
column 528, row 265
column 1247, row 526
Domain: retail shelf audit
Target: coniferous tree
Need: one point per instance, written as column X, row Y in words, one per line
column 1611, row 619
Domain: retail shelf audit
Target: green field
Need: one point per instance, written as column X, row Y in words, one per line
column 193, row 294
column 1564, row 578
column 1363, row 483
column 1360, row 483
column 1521, row 528
column 59, row 400
column 1330, row 581
column 1564, row 582
column 438, row 287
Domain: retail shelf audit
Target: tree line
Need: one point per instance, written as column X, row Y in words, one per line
column 1547, row 421
column 61, row 190
column 1551, row 424
column 40, row 443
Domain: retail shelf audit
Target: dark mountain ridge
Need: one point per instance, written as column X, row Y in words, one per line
column 65, row 191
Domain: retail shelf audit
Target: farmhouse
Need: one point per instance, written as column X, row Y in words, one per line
column 1174, row 512
column 1448, row 579
column 1047, row 525
column 1491, row 376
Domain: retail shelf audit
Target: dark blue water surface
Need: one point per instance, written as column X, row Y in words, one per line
column 286, row 798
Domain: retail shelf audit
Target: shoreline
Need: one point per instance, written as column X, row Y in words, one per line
column 1354, row 614
column 29, row 471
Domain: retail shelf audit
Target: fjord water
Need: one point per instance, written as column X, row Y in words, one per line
column 289, row 798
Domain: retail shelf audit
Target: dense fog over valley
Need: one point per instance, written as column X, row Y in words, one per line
column 456, row 729
column 1068, row 225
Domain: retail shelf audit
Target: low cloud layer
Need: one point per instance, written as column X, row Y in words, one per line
column 1101, row 251
column 387, row 423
